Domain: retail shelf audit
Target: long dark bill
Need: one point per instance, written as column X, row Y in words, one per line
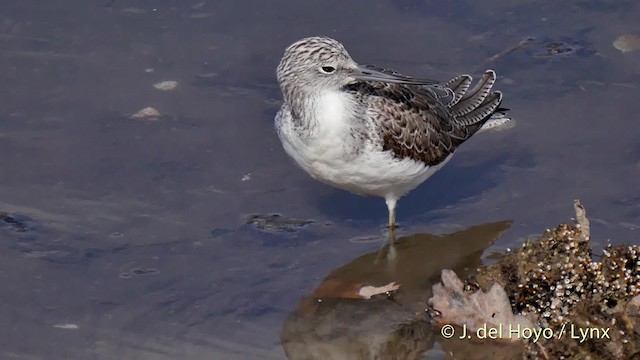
column 367, row 73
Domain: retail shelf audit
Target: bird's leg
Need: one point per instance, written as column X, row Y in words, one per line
column 392, row 219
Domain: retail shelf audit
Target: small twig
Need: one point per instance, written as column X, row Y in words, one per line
column 522, row 43
column 581, row 219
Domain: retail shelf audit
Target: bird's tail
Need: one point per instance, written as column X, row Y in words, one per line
column 479, row 106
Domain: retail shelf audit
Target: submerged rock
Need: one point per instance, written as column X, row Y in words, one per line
column 277, row 223
column 14, row 222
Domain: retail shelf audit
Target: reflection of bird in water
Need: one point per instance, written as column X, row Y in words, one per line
column 334, row 322
column 373, row 131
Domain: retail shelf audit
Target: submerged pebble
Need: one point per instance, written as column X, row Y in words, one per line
column 166, row 85
column 133, row 11
column 627, row 42
column 66, row 326
column 147, row 113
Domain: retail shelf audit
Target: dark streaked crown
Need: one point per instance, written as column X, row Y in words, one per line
column 300, row 68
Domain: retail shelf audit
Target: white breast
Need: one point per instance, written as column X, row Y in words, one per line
column 323, row 152
column 330, row 111
column 328, row 155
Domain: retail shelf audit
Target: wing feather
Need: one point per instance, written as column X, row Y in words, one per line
column 428, row 122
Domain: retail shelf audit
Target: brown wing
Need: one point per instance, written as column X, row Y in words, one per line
column 427, row 123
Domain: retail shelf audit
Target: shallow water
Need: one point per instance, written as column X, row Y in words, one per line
column 126, row 239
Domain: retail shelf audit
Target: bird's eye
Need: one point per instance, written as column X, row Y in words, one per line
column 327, row 69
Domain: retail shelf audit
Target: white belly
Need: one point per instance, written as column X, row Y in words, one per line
column 327, row 155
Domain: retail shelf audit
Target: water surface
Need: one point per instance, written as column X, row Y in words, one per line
column 126, row 239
